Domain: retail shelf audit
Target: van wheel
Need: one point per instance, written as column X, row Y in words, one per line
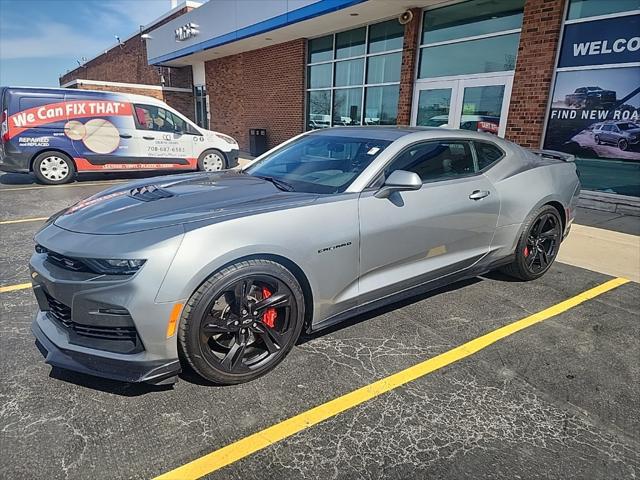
column 212, row 161
column 53, row 168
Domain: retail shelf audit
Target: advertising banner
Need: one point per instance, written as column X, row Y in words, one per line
column 604, row 42
column 596, row 113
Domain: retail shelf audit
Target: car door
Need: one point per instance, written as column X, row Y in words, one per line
column 417, row 236
column 161, row 138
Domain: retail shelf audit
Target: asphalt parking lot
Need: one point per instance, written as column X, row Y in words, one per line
column 559, row 399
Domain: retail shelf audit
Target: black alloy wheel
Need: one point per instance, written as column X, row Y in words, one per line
column 242, row 321
column 538, row 245
column 542, row 243
column 248, row 324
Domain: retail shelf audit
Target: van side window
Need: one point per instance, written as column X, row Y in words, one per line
column 151, row 117
column 435, row 160
column 487, row 154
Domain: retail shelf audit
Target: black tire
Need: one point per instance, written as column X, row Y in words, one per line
column 597, row 139
column 211, row 309
column 203, row 160
column 623, row 144
column 54, row 168
column 534, row 258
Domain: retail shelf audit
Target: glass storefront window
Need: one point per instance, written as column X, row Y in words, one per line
column 349, row 72
column 351, row 43
column 319, row 106
column 386, row 36
column 347, row 106
column 361, row 68
column 384, row 68
column 472, row 18
column 492, row 54
column 321, row 49
column 320, row 75
column 592, row 8
column 381, row 105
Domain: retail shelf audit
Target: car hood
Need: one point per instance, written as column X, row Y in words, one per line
column 632, row 131
column 164, row 201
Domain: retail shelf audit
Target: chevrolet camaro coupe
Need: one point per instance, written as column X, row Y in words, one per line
column 222, row 271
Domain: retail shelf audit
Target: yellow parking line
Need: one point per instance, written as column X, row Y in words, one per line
column 79, row 184
column 11, row 288
column 260, row 440
column 23, row 220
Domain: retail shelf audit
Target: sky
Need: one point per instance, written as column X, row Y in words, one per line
column 42, row 39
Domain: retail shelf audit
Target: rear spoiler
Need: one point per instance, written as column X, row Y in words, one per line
column 565, row 157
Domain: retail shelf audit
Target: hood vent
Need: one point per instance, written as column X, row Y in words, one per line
column 149, row 193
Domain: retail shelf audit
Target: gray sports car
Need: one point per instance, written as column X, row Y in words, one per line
column 223, row 271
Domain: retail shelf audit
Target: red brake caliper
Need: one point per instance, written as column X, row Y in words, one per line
column 526, row 252
column 268, row 317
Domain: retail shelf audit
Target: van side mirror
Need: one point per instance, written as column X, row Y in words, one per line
column 399, row 181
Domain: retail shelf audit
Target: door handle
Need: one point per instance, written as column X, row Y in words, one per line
column 479, row 194
column 149, row 138
column 125, row 135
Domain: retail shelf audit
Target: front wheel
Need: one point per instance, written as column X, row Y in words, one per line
column 538, row 245
column 212, row 161
column 242, row 322
column 53, row 168
column 623, row 144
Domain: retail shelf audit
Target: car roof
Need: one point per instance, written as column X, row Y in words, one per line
column 390, row 132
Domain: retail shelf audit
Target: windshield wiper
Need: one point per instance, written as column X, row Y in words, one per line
column 281, row 184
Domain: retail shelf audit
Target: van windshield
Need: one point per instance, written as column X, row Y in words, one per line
column 319, row 163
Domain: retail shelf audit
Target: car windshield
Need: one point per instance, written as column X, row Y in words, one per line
column 627, row 126
column 319, row 163
column 593, row 89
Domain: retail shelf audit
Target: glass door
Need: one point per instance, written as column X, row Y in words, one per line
column 479, row 104
column 433, row 104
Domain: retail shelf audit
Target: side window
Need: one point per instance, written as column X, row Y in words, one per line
column 437, row 160
column 152, row 117
column 487, row 154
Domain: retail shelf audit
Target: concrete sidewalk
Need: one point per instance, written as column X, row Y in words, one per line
column 604, row 251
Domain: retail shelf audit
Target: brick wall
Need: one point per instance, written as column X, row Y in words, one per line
column 181, row 101
column 408, row 69
column 261, row 88
column 128, row 64
column 534, row 70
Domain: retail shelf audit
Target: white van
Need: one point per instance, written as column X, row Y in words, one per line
column 56, row 133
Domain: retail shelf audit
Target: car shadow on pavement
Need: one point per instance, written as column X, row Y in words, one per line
column 123, row 389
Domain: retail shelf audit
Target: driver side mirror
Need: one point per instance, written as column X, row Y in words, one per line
column 399, row 181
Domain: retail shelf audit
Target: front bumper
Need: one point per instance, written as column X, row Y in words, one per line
column 158, row 372
column 105, row 325
column 232, row 158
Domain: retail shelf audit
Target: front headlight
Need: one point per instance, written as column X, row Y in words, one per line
column 114, row 266
column 104, row 266
column 226, row 138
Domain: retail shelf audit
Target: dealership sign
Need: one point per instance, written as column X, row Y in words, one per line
column 616, row 40
column 186, row 32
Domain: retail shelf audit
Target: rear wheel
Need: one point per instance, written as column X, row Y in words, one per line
column 212, row 161
column 242, row 322
column 538, row 245
column 53, row 168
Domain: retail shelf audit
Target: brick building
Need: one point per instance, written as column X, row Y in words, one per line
column 558, row 74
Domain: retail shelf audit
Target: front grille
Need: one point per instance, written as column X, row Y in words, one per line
column 116, row 339
column 59, row 311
